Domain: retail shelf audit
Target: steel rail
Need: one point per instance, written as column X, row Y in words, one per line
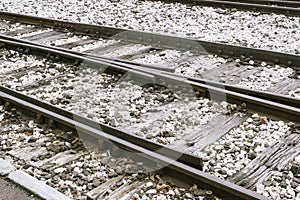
column 287, row 3
column 271, row 96
column 247, row 6
column 161, row 41
column 173, row 168
column 272, row 108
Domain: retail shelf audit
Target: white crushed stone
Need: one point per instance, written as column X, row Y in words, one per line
column 295, row 93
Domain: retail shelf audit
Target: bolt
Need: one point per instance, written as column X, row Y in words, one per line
column 209, row 195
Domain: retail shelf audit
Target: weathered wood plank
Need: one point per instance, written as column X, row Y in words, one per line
column 28, row 152
column 125, row 190
column 230, row 73
column 100, row 191
column 212, row 131
column 58, row 160
column 284, row 86
column 275, row 157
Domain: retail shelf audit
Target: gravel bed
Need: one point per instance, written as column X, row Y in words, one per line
column 266, row 78
column 295, row 93
column 79, row 177
column 94, row 168
column 149, row 112
column 157, row 113
column 9, row 26
column 283, row 184
column 100, row 43
column 163, row 56
column 74, row 179
column 63, row 41
column 17, row 131
column 182, row 118
column 70, row 93
column 199, row 64
column 157, row 188
column 36, row 70
column 128, row 50
column 93, row 96
column 23, row 35
column 184, row 62
column 71, row 38
column 12, row 60
column 251, row 29
column 239, row 146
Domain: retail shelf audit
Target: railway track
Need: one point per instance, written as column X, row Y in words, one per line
column 207, row 62
column 73, row 87
column 56, row 156
column 243, row 28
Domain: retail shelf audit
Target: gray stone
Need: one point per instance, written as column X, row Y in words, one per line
column 151, row 191
column 96, row 182
column 5, row 167
column 189, row 195
column 268, row 183
column 35, row 186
